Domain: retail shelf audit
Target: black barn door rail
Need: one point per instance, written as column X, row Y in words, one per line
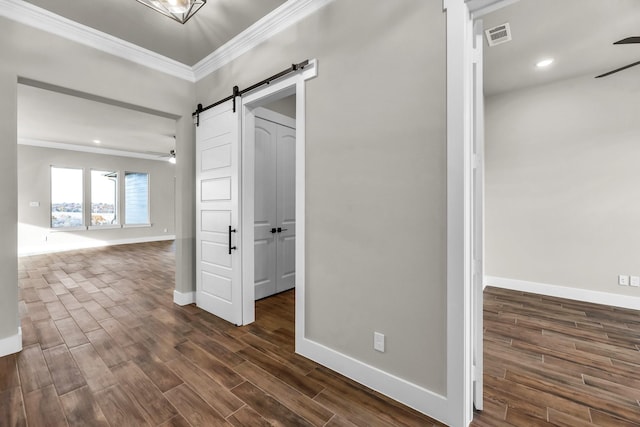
column 237, row 92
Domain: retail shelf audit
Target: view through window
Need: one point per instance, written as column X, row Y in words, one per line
column 136, row 198
column 68, row 204
column 104, row 198
column 66, row 197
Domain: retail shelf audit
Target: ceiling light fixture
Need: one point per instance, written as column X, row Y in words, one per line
column 96, row 141
column 178, row 10
column 544, row 63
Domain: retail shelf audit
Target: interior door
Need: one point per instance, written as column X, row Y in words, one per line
column 477, row 228
column 274, row 204
column 218, row 266
column 265, row 225
column 286, row 208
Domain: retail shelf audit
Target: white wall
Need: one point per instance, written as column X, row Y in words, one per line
column 376, row 177
column 34, row 183
column 34, row 54
column 285, row 106
column 562, row 183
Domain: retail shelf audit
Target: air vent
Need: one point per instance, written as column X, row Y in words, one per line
column 498, row 35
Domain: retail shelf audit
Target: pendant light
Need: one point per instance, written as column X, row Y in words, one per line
column 178, row 10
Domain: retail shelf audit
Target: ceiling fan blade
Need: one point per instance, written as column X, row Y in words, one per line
column 618, row 69
column 629, row 40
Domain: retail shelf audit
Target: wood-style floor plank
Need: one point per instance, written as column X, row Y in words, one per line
column 95, row 371
column 12, row 408
column 103, row 340
column 553, row 361
column 64, row 370
column 81, row 409
column 212, row 392
column 193, row 408
column 268, row 407
column 156, row 409
column 34, row 373
column 43, row 408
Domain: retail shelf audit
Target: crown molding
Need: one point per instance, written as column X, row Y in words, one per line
column 36, row 17
column 289, row 13
column 164, row 157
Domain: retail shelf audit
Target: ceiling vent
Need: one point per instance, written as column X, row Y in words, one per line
column 498, row 35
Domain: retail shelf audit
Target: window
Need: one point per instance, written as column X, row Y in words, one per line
column 136, row 198
column 104, row 198
column 66, row 197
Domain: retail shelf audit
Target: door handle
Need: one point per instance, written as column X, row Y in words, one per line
column 280, row 230
column 231, row 230
column 273, row 231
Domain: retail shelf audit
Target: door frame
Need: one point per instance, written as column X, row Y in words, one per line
column 462, row 103
column 291, row 84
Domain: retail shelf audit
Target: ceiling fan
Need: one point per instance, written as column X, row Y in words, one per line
column 628, row 40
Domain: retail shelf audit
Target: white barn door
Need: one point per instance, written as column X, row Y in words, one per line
column 218, row 257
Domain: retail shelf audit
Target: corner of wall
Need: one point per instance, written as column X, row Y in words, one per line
column 184, row 298
column 11, row 344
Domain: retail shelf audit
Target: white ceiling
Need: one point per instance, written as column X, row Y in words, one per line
column 212, row 26
column 52, row 117
column 49, row 116
column 578, row 34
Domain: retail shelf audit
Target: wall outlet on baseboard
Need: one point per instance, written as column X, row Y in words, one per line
column 378, row 342
column 634, row 281
column 623, row 280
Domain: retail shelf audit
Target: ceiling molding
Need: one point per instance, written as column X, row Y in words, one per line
column 289, row 13
column 479, row 8
column 164, row 157
column 42, row 19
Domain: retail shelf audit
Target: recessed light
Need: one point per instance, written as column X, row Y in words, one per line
column 544, row 63
column 96, row 141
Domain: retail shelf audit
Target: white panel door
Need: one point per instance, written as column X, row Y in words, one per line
column 218, row 267
column 286, row 209
column 274, row 227
column 265, row 227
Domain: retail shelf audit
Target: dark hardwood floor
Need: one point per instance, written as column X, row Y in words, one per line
column 105, row 345
column 551, row 361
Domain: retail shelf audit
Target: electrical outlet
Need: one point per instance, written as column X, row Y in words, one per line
column 378, row 342
column 165, row 230
column 34, row 204
column 634, row 281
column 623, row 280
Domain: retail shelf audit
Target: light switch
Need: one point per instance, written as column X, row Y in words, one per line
column 378, row 342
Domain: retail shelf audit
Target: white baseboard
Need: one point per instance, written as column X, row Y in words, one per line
column 12, row 344
column 597, row 297
column 412, row 395
column 48, row 249
column 184, row 298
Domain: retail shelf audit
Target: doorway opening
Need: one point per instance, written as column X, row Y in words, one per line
column 270, row 187
column 274, row 197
